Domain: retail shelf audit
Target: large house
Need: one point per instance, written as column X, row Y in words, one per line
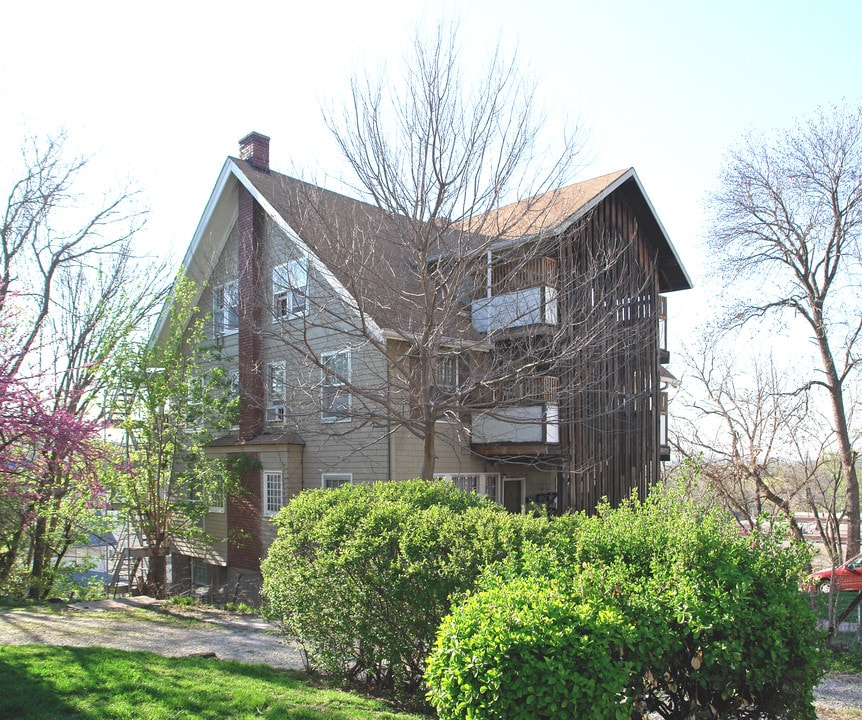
column 518, row 352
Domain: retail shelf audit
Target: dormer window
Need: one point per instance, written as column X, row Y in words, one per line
column 289, row 288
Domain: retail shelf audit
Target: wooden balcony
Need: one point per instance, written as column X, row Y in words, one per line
column 522, row 419
column 517, row 275
column 538, row 390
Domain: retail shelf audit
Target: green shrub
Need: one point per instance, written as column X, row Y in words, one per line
column 742, row 638
column 363, row 575
column 717, row 627
column 528, row 649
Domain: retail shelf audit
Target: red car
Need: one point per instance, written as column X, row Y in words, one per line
column 845, row 577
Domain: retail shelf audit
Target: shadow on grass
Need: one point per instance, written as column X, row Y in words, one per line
column 26, row 689
column 94, row 683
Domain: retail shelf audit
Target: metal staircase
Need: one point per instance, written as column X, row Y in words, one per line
column 130, row 563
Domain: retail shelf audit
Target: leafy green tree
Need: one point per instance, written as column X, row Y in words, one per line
column 172, row 394
column 362, row 575
column 656, row 607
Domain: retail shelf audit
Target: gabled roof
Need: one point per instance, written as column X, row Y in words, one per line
column 358, row 249
column 552, row 213
column 545, row 213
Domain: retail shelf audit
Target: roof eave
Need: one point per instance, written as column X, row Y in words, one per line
column 223, row 179
column 687, row 285
column 592, row 204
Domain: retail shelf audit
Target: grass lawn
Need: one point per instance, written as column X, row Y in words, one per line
column 41, row 682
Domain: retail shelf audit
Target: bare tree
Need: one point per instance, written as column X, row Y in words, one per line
column 787, row 228
column 435, row 152
column 48, row 226
column 437, row 158
column 752, row 436
column 825, row 500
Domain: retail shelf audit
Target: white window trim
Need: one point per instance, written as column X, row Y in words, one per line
column 266, row 476
column 284, row 285
column 481, row 481
column 334, row 382
column 220, row 508
column 197, row 405
column 212, row 508
column 275, row 405
column 220, row 308
column 442, row 363
column 346, row 478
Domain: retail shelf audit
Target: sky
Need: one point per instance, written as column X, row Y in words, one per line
column 159, row 93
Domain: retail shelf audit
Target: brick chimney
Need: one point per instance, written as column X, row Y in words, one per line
column 244, row 508
column 254, row 148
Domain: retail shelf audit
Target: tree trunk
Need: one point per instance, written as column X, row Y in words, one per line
column 428, row 451
column 37, row 568
column 846, row 453
column 8, row 558
column 157, row 580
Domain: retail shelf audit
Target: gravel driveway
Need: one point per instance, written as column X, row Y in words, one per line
column 166, row 632
column 174, row 633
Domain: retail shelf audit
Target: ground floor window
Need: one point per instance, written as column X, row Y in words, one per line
column 273, row 491
column 487, row 484
column 330, row 481
column 200, row 574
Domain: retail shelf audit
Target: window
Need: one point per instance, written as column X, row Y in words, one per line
column 275, row 392
column 273, row 492
column 289, row 287
column 198, row 492
column 218, row 501
column 446, row 374
column 487, row 484
column 330, row 481
column 491, row 487
column 195, row 404
column 335, row 397
column 200, row 574
column 470, row 483
column 225, row 304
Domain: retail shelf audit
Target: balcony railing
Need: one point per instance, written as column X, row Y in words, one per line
column 536, row 390
column 521, row 308
column 532, row 424
column 526, row 411
column 518, row 275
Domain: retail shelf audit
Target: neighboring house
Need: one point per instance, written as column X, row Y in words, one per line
column 548, row 382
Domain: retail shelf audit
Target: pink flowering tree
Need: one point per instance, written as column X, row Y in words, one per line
column 71, row 291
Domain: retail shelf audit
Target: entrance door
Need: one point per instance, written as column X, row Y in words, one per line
column 513, row 494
